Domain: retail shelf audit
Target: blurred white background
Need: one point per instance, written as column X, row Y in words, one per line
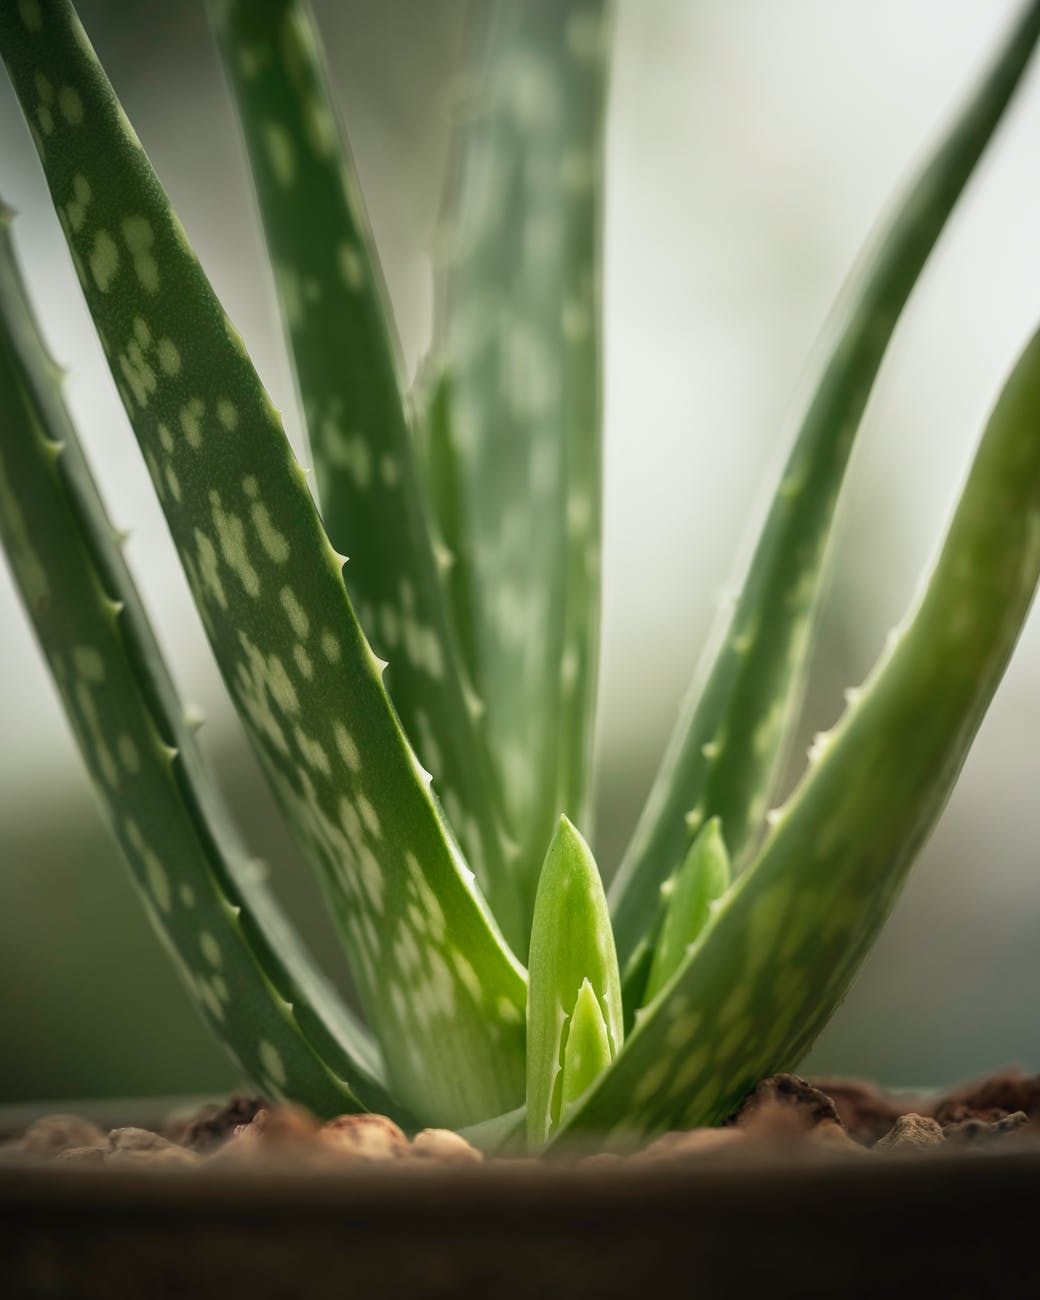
column 751, row 149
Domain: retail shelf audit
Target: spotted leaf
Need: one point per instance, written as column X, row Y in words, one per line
column 438, row 984
column 239, row 959
column 514, row 449
column 780, row 952
column 338, row 323
column 723, row 752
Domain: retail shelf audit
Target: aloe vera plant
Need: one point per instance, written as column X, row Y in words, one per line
column 424, row 712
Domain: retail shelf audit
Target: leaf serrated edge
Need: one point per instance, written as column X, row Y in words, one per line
column 723, row 752
column 786, row 940
column 327, row 1054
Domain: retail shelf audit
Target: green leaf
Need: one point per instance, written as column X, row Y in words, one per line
column 779, row 954
column 338, row 323
column 587, row 1049
column 516, row 367
column 571, row 945
column 702, row 878
column 500, row 1135
column 239, row 960
column 723, row 753
column 443, row 488
column 437, row 982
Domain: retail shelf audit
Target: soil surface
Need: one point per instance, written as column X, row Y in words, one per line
column 784, row 1113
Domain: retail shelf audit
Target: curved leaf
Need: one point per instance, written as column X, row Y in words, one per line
column 337, row 320
column 438, row 984
column 722, row 755
column 238, row 957
column 789, row 936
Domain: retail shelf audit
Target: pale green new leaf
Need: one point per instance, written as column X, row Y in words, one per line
column 722, row 755
column 515, row 370
column 239, row 959
column 587, row 1050
column 703, row 877
column 337, row 319
column 436, row 980
column 780, row 952
column 571, row 945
